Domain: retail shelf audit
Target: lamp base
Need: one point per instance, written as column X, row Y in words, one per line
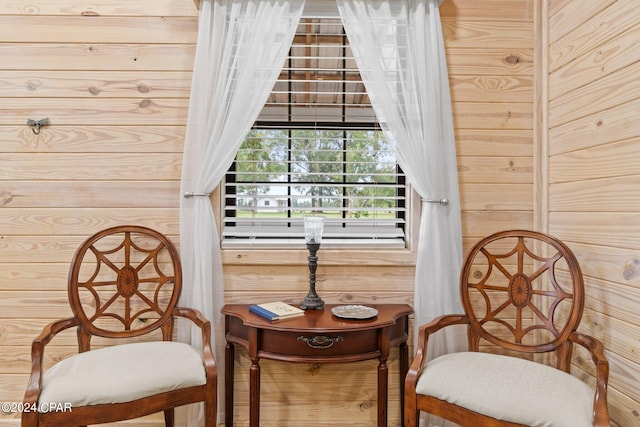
column 312, row 302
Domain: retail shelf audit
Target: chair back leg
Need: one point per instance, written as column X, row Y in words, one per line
column 169, row 417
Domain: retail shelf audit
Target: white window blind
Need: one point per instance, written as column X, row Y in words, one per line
column 316, row 148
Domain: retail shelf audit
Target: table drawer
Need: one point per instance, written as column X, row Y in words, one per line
column 305, row 344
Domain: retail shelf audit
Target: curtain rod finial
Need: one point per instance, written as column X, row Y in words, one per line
column 444, row 201
column 190, row 194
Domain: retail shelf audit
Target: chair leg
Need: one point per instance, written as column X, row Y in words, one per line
column 210, row 414
column 168, row 417
column 410, row 420
column 411, row 414
column 29, row 419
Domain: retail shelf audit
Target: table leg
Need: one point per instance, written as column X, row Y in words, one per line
column 254, row 394
column 229, row 353
column 383, row 384
column 404, row 368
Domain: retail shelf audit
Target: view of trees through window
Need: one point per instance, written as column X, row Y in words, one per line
column 339, row 173
column 316, row 148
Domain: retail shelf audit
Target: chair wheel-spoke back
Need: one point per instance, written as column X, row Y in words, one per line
column 124, row 285
column 523, row 295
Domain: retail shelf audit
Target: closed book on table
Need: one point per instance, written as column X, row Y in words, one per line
column 276, row 310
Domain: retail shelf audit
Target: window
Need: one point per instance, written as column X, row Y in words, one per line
column 316, row 149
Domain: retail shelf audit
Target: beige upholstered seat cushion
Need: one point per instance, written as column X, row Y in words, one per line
column 510, row 389
column 122, row 373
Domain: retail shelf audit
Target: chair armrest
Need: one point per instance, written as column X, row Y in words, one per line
column 205, row 326
column 423, row 340
column 34, row 385
column 596, row 349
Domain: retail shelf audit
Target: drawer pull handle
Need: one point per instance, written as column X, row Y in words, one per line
column 320, row 342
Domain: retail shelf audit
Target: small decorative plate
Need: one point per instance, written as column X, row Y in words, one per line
column 354, row 311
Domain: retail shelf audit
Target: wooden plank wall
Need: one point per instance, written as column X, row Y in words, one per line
column 490, row 52
column 594, row 175
column 113, row 77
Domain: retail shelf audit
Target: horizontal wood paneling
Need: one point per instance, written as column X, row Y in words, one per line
column 111, row 111
column 17, row 359
column 35, row 305
column 104, row 29
column 105, row 194
column 93, row 84
column 478, row 224
column 607, row 24
column 94, row 8
column 334, row 257
column 154, row 420
column 83, row 222
column 290, row 387
column 602, row 228
column 492, row 10
column 491, row 62
column 114, row 78
column 97, row 56
column 615, row 124
column 615, row 159
column 617, row 400
column 115, row 89
column 594, row 171
column 12, row 387
column 328, row 279
column 93, row 139
column 567, row 15
column 608, row 92
column 596, row 195
column 612, row 56
column 611, row 263
column 618, row 339
column 496, row 197
column 21, row 332
column 495, row 170
column 60, row 248
column 461, row 33
column 487, row 115
column 34, row 277
column 497, row 88
column 487, row 142
column 103, row 166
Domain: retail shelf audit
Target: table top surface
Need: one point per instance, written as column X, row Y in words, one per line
column 321, row 320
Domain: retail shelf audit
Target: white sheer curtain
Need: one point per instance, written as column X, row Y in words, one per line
column 241, row 48
column 399, row 49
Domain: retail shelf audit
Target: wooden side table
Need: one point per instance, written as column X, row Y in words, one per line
column 317, row 337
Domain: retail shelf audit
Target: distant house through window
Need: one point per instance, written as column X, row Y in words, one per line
column 316, row 148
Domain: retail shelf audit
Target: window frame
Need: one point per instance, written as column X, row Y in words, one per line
column 403, row 198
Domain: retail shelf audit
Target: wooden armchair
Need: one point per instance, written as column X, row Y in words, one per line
column 522, row 294
column 124, row 283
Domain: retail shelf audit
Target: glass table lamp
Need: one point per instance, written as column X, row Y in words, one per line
column 313, row 228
